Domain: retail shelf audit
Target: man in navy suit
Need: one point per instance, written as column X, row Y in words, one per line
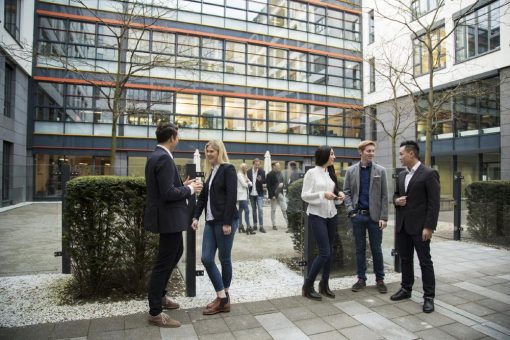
column 166, row 213
column 257, row 176
column 417, row 208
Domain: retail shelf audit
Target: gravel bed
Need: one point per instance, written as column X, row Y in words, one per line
column 27, row 300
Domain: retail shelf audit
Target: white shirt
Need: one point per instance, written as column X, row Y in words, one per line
column 254, row 178
column 209, row 216
column 410, row 174
column 315, row 184
column 242, row 186
column 172, row 157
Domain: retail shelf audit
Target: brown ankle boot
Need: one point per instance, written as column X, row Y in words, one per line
column 220, row 305
column 324, row 289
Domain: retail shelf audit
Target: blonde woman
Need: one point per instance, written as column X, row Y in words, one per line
column 218, row 198
column 243, row 183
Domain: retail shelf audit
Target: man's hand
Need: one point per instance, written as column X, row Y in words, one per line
column 227, row 229
column 401, row 201
column 194, row 224
column 280, row 185
column 197, row 186
column 382, row 224
column 188, row 181
column 426, row 234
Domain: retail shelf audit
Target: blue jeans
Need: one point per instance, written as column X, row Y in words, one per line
column 360, row 225
column 243, row 206
column 257, row 204
column 324, row 232
column 215, row 239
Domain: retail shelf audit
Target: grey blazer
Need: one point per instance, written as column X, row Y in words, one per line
column 378, row 191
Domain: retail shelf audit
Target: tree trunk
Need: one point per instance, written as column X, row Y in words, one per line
column 430, row 110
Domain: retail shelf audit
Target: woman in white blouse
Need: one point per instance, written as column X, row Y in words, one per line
column 321, row 192
column 243, row 183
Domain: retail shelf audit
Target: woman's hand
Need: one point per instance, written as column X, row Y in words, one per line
column 329, row 195
column 194, row 224
column 341, row 197
column 227, row 229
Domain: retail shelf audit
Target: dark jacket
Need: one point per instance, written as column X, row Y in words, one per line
column 258, row 184
column 422, row 207
column 167, row 198
column 223, row 195
column 273, row 179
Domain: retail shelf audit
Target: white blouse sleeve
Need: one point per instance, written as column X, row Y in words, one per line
column 307, row 194
column 242, row 181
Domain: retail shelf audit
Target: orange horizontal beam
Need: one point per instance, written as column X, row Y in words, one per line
column 191, row 32
column 195, row 91
column 323, row 4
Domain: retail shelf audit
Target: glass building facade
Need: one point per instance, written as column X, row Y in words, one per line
column 277, row 75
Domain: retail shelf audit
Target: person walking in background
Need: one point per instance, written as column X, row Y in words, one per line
column 243, row 184
column 274, row 182
column 292, row 173
column 366, row 201
column 257, row 176
column 416, row 199
column 321, row 192
column 221, row 221
column 166, row 214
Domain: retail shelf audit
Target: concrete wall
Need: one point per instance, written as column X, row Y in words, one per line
column 505, row 123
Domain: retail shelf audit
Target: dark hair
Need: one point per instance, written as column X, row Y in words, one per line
column 411, row 145
column 273, row 163
column 165, row 131
column 321, row 157
column 255, row 160
column 293, row 165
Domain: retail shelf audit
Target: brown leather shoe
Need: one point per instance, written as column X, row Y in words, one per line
column 212, row 303
column 166, row 303
column 221, row 305
column 164, row 321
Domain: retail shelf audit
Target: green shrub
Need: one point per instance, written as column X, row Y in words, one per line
column 344, row 248
column 109, row 248
column 488, row 206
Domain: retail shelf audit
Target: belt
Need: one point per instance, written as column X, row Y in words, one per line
column 363, row 212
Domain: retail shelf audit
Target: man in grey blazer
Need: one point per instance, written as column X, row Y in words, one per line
column 366, row 201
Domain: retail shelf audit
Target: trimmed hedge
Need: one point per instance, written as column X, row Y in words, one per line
column 109, row 248
column 344, row 248
column 488, row 206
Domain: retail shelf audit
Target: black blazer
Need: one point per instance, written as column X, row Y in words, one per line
column 273, row 179
column 258, row 184
column 223, row 195
column 167, row 198
column 422, row 207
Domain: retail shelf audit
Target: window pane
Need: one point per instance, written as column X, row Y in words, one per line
column 210, row 112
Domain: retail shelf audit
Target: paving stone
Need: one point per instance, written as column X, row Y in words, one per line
column 340, row 321
column 372, row 301
column 481, row 281
column 434, row 334
column 324, row 309
column 212, row 326
column 237, row 309
column 500, row 319
column 111, row 335
column 383, row 326
column 359, row 332
column 293, row 333
column 412, row 323
column 135, row 321
column 30, row 332
column 469, row 295
column 332, row 335
column 252, row 334
column 71, row 329
column 260, row 307
column 461, row 331
column 180, row 315
column 239, row 322
column 502, row 289
column 9, row 333
column 184, row 332
column 487, row 292
column 496, row 305
column 491, row 332
column 196, row 314
column 300, row 313
column 476, row 309
column 389, row 311
column 440, row 286
column 313, row 326
column 274, row 321
column 106, row 325
column 435, row 319
column 452, row 299
column 286, row 303
column 352, row 307
column 151, row 332
column 219, row 336
column 410, row 307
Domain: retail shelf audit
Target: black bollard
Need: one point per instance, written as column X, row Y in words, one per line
column 457, row 228
column 66, row 257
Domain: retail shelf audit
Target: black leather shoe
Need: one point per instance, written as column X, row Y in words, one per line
column 428, row 305
column 262, row 230
column 309, row 292
column 400, row 295
column 324, row 289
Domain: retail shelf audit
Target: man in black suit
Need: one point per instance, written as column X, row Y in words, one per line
column 417, row 208
column 257, row 176
column 166, row 213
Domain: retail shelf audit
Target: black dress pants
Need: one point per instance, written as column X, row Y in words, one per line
column 405, row 245
column 169, row 254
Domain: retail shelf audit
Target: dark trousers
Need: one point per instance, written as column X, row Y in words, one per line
column 360, row 225
column 324, row 232
column 405, row 245
column 169, row 253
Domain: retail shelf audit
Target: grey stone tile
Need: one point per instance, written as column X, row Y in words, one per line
column 106, row 325
column 481, row 281
column 237, row 309
column 383, row 326
column 435, row 319
column 293, row 333
column 502, row 289
column 238, row 322
column 340, row 321
column 476, row 309
column 29, row 332
column 196, row 314
column 352, row 307
column 203, row 327
column 461, row 331
column 359, row 332
column 286, row 302
column 274, row 321
column 180, row 315
column 412, row 323
column 184, row 332
column 332, row 335
column 323, row 309
column 300, row 313
column 313, row 326
column 452, row 299
column 136, row 320
column 219, row 336
column 496, row 305
column 491, row 332
column 500, row 319
column 151, row 332
column 410, row 307
column 252, row 334
column 9, row 333
column 109, row 335
column 71, row 329
column 434, row 334
column 445, row 287
column 389, row 311
column 487, row 292
column 372, row 301
column 470, row 296
column 260, row 307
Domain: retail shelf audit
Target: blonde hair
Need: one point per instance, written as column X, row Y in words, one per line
column 364, row 144
column 222, row 155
